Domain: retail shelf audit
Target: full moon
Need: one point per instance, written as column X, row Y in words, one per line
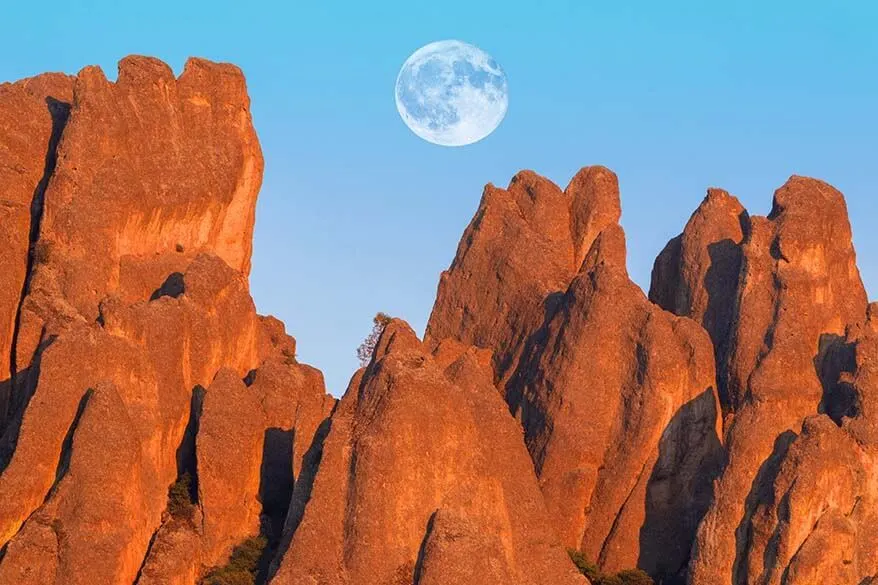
column 451, row 93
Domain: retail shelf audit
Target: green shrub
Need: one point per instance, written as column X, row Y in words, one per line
column 180, row 502
column 635, row 577
column 590, row 570
column 243, row 565
column 585, row 567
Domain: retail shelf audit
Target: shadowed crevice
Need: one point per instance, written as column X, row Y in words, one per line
column 173, row 286
column 835, row 364
column 60, row 112
column 302, row 488
column 759, row 490
column 422, row 550
column 67, row 445
column 187, row 461
column 183, row 493
column 721, row 284
column 276, row 480
column 276, row 483
column 689, row 450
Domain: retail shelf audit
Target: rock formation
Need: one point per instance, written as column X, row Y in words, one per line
column 797, row 291
column 616, row 397
column 517, row 256
column 620, row 417
column 424, row 479
column 129, row 240
column 33, row 112
column 721, row 430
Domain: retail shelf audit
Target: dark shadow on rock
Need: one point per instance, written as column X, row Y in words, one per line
column 173, row 287
column 186, row 452
column 505, row 358
column 23, row 386
column 67, row 444
column 422, row 550
column 520, row 402
column 760, row 491
column 680, row 488
column 835, row 357
column 721, row 284
column 302, row 491
column 5, row 399
column 775, row 251
column 276, row 480
column 60, row 112
column 667, row 289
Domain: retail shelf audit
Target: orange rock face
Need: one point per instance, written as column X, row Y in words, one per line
column 131, row 209
column 620, row 416
column 721, row 430
column 33, row 113
column 423, row 479
column 519, row 252
column 616, row 397
column 797, row 291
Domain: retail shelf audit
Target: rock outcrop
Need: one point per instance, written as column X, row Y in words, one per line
column 620, row 415
column 423, row 479
column 516, row 257
column 721, row 430
column 33, row 113
column 817, row 520
column 131, row 208
column 696, row 275
column 797, row 291
column 617, row 398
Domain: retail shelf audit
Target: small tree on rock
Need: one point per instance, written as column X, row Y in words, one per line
column 367, row 348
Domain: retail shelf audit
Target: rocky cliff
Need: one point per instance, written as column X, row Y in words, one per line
column 157, row 430
column 132, row 352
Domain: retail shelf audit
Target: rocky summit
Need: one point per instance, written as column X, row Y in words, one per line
column 555, row 425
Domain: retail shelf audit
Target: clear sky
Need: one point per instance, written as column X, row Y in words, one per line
column 358, row 215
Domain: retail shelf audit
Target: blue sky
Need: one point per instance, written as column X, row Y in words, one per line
column 358, row 215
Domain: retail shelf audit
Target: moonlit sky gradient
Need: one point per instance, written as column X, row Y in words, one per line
column 357, row 214
column 451, row 93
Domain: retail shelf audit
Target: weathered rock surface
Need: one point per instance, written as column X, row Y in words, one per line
column 96, row 487
column 817, row 522
column 423, row 479
column 617, row 398
column 33, row 113
column 174, row 557
column 519, row 252
column 228, row 451
column 696, row 275
column 130, row 263
column 620, row 413
column 798, row 289
column 722, row 430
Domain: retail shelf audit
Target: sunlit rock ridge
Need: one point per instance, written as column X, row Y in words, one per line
column 722, row 429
